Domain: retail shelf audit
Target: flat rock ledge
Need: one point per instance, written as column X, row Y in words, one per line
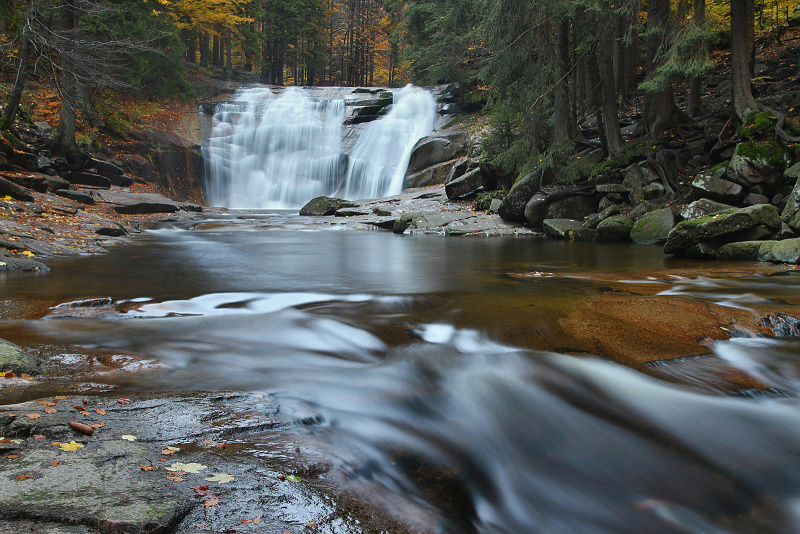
column 125, row 477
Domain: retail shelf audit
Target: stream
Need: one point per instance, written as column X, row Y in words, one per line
column 508, row 384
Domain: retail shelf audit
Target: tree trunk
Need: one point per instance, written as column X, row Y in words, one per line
column 696, row 83
column 216, row 57
column 229, row 52
column 69, row 83
column 607, row 109
column 742, row 21
column 22, row 73
column 660, row 111
column 562, row 130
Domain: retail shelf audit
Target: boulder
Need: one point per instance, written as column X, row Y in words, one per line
column 126, row 202
column 87, row 178
column 495, row 177
column 791, row 213
column 653, row 227
column 722, row 227
column 653, row 191
column 16, row 359
column 615, row 228
column 560, row 228
column 592, row 220
column 79, row 196
column 786, row 251
column 751, row 199
column 105, row 168
column 464, row 185
column 325, row 206
column 430, row 151
column 16, row 192
column 747, row 169
column 792, row 173
column 433, row 175
column 35, row 181
column 765, row 250
column 705, row 186
column 405, row 220
column 513, row 207
column 572, row 207
column 26, row 160
column 110, row 231
column 535, row 210
column 55, row 183
column 702, row 208
column 740, row 250
column 584, row 234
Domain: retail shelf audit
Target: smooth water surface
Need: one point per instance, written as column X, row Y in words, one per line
column 444, row 370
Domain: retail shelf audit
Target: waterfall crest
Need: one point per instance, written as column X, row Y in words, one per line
column 272, row 150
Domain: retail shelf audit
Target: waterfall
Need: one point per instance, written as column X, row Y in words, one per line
column 272, row 150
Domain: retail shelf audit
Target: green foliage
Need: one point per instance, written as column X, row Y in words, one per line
column 484, row 200
column 685, row 57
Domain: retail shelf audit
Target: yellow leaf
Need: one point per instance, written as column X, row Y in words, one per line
column 71, row 446
column 7, row 197
column 186, row 468
column 27, row 253
column 221, row 478
column 173, row 449
column 129, row 437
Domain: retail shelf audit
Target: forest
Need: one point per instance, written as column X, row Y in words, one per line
column 538, row 69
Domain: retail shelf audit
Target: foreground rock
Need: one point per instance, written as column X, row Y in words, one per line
column 123, row 478
column 17, row 359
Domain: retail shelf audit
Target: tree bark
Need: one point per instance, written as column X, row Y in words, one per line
column 696, row 83
column 607, row 108
column 562, row 129
column 742, row 21
column 69, row 86
column 22, row 73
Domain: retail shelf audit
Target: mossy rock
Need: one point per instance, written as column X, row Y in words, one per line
column 16, row 359
column 740, row 250
column 615, row 228
column 653, row 227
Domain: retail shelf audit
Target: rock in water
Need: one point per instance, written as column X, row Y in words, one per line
column 16, row 359
column 325, row 206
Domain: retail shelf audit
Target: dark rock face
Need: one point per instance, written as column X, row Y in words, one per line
column 139, row 202
column 34, row 181
column 430, row 151
column 14, row 191
column 80, row 196
column 87, row 178
column 703, row 208
column 572, row 207
column 322, row 206
column 560, row 228
column 513, row 206
column 706, row 186
column 535, row 210
column 722, row 227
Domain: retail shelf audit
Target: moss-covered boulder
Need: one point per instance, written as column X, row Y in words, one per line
column 653, row 227
column 703, row 208
column 786, row 251
column 560, row 228
column 740, row 250
column 16, row 359
column 756, row 163
column 723, row 227
column 616, row 228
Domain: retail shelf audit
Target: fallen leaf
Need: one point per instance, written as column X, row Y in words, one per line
column 25, row 376
column 245, row 520
column 100, row 411
column 123, row 401
column 84, row 413
column 12, row 415
column 281, row 477
column 167, row 452
column 47, row 403
column 192, row 467
column 221, row 478
column 203, row 491
column 71, row 446
column 80, row 427
column 198, row 525
column 23, row 477
column 258, row 396
column 98, row 425
column 311, row 524
column 214, row 444
column 51, row 411
column 39, row 436
column 12, row 456
column 171, row 448
column 34, row 415
column 78, row 407
column 27, row 253
column 257, row 520
column 176, row 478
column 54, row 463
column 293, row 478
column 61, row 397
column 9, row 374
column 146, row 467
column 16, row 441
column 211, row 502
column 129, row 437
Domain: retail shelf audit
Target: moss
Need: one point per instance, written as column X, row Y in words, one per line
column 770, row 152
column 718, row 166
column 484, row 199
column 708, row 218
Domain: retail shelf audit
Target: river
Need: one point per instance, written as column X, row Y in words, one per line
column 509, row 384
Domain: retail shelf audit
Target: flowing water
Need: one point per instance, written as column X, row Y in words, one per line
column 466, row 374
column 281, row 150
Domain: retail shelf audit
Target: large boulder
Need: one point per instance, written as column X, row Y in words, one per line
column 786, row 251
column 87, row 178
column 14, row 191
column 535, row 210
column 513, row 207
column 703, row 208
column 572, row 207
column 722, row 227
column 125, row 202
column 756, row 163
column 740, row 250
column 325, row 206
column 653, row 227
column 464, row 184
column 791, row 213
column 707, row 186
column 615, row 228
column 432, row 150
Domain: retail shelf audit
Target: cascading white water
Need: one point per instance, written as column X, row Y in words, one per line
column 269, row 151
column 379, row 159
